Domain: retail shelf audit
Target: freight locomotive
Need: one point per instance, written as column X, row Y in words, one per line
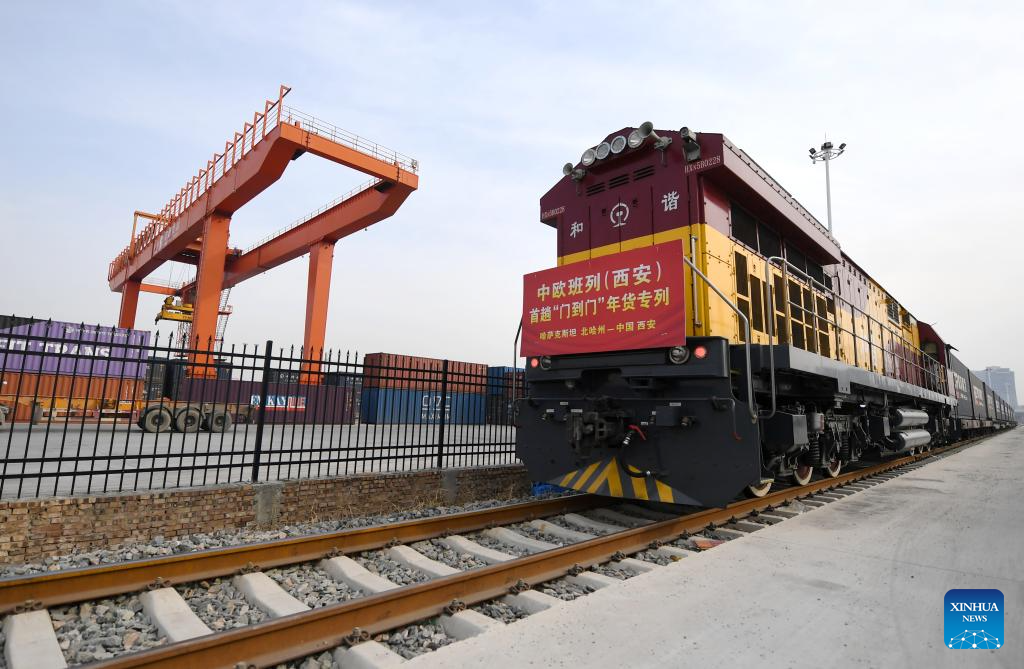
column 703, row 335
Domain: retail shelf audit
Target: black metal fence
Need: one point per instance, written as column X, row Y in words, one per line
column 88, row 409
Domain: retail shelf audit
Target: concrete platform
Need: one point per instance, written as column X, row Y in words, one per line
column 857, row 582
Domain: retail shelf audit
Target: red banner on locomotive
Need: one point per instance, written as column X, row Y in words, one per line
column 629, row 300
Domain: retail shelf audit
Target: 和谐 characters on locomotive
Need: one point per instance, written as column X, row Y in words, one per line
column 782, row 356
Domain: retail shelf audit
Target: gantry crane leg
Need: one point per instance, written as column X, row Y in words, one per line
column 209, row 283
column 318, row 291
column 129, row 304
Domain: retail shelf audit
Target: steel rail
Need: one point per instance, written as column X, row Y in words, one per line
column 290, row 637
column 75, row 585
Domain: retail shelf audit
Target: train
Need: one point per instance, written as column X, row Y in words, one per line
column 703, row 336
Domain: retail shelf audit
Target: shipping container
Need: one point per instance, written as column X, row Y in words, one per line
column 60, row 395
column 56, row 347
column 408, row 372
column 405, row 406
column 977, row 396
column 959, row 377
column 283, row 375
column 499, row 410
column 505, row 381
column 286, row 402
column 163, row 375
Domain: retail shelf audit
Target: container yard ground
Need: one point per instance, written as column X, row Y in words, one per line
column 227, row 457
column 858, row 582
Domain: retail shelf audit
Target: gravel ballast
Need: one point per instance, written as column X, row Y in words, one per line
column 104, row 629
column 312, row 586
column 499, row 611
column 564, row 589
column 220, row 605
column 528, row 530
column 413, row 640
column 378, row 562
column 161, row 546
column 490, row 542
column 611, row 569
column 654, row 557
column 438, row 552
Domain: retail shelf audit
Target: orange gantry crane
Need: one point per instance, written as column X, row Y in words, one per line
column 193, row 227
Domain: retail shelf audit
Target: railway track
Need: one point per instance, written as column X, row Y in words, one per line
column 602, row 536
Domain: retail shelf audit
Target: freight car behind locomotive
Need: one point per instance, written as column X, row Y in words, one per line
column 773, row 354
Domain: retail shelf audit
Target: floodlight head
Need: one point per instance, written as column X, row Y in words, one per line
column 842, row 147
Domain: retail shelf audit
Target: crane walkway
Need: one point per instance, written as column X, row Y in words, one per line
column 252, row 161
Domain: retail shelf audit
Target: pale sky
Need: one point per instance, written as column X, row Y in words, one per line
column 111, row 107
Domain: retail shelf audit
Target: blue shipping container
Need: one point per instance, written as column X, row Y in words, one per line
column 398, row 406
column 500, row 380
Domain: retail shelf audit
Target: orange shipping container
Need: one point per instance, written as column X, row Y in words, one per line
column 410, row 372
column 19, row 391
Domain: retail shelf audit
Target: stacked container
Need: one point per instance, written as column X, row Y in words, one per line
column 69, row 366
column 504, row 384
column 405, row 389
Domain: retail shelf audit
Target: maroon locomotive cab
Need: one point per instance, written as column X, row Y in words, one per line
column 625, row 301
column 619, row 401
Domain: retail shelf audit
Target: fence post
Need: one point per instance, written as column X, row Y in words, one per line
column 261, row 414
column 442, row 418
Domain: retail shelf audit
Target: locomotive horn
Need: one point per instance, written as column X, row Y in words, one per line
column 646, row 130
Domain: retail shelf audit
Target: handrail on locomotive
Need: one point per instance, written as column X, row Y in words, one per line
column 935, row 372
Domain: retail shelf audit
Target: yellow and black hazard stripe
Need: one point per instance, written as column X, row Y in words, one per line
column 610, row 479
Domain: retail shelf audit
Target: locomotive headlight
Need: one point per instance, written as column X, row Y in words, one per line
column 545, row 362
column 603, row 149
column 589, row 156
column 677, row 355
column 618, row 144
column 635, row 139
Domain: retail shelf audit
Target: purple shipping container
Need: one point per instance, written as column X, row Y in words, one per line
column 55, row 347
column 286, row 402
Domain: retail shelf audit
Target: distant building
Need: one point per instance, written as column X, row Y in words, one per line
column 1001, row 380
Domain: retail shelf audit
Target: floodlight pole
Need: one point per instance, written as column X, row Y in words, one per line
column 826, row 154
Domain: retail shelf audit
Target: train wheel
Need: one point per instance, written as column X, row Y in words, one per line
column 802, row 474
column 156, row 419
column 833, row 468
column 761, row 490
column 188, row 420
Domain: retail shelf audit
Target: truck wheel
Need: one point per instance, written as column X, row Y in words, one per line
column 217, row 421
column 188, row 419
column 156, row 419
